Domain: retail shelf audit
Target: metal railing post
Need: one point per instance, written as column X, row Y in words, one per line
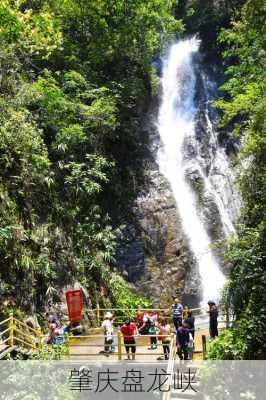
column 39, row 338
column 119, row 346
column 11, row 330
column 227, row 318
column 204, row 346
column 170, row 369
column 98, row 320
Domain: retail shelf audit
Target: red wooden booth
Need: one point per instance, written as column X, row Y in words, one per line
column 74, row 300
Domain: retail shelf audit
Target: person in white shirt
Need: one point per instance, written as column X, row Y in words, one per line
column 107, row 325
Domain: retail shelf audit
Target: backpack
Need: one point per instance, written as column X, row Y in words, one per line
column 109, row 336
column 177, row 310
column 146, row 327
column 152, row 330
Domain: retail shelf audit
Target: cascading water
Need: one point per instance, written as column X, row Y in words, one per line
column 176, row 126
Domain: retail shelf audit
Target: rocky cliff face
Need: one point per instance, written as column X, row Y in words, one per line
column 153, row 252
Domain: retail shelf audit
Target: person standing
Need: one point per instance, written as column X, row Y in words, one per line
column 164, row 336
column 213, row 323
column 146, row 324
column 182, row 341
column 185, row 312
column 190, row 321
column 139, row 318
column 129, row 330
column 177, row 311
column 108, row 328
column 152, row 332
column 148, row 328
column 153, row 329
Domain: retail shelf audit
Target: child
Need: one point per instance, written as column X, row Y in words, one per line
column 153, row 339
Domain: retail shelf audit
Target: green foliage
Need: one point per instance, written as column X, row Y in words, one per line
column 230, row 380
column 244, row 112
column 120, row 29
column 34, row 33
column 123, row 296
column 32, row 380
column 206, row 18
column 52, row 353
column 226, row 347
column 75, row 79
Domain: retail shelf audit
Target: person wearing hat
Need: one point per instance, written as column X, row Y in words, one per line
column 213, row 322
column 107, row 325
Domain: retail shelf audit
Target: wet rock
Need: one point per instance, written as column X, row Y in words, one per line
column 153, row 249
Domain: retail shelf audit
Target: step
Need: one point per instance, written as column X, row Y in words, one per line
column 7, row 350
column 181, row 397
column 194, row 384
column 198, row 397
column 186, row 395
column 185, row 380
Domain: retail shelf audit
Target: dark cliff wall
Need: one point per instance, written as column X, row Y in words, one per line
column 153, row 252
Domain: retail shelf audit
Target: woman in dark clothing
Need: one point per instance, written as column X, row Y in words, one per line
column 213, row 312
column 190, row 321
column 182, row 340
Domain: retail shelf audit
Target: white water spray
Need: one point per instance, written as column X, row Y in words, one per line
column 176, row 123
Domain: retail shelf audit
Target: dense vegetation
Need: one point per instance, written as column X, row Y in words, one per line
column 74, row 83
column 233, row 36
column 244, row 114
column 206, row 19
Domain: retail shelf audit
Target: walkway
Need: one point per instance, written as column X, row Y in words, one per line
column 89, row 347
column 16, row 335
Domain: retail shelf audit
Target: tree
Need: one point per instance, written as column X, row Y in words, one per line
column 244, row 113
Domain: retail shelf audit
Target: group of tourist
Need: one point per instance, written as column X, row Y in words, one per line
column 148, row 323
column 159, row 330
column 57, row 330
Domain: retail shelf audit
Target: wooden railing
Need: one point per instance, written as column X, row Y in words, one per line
column 5, row 329
column 14, row 332
column 170, row 369
column 141, row 342
column 121, row 314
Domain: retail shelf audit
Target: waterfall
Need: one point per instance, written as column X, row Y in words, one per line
column 176, row 127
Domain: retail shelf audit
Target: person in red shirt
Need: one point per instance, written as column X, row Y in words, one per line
column 129, row 330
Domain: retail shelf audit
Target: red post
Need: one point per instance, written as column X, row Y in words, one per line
column 74, row 300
